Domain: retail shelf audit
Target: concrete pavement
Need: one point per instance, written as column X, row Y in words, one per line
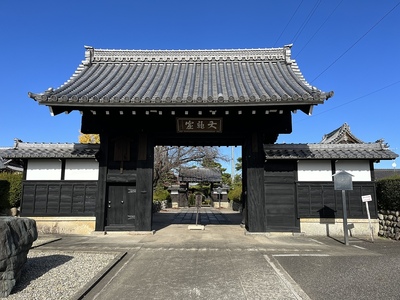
column 224, row 262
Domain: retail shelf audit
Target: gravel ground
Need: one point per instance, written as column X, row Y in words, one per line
column 58, row 275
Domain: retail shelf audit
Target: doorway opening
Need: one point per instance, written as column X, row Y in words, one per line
column 182, row 173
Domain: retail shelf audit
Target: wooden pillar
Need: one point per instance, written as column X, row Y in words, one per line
column 102, row 183
column 144, row 183
column 255, row 204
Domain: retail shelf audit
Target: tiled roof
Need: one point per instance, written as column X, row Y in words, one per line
column 342, row 135
column 373, row 151
column 38, row 150
column 385, row 173
column 150, row 78
column 200, row 175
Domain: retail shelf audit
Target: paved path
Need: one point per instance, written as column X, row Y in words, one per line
column 222, row 261
column 205, row 216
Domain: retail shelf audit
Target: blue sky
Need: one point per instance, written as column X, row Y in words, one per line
column 349, row 47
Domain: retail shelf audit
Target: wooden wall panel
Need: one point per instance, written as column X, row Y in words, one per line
column 316, row 200
column 58, row 198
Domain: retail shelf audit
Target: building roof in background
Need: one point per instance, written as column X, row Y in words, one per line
column 384, row 173
column 49, row 150
column 200, row 175
column 175, row 78
column 372, row 151
column 339, row 144
column 342, row 135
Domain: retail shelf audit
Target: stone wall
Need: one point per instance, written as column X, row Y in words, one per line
column 389, row 224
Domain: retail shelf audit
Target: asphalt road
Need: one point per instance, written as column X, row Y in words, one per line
column 366, row 271
column 223, row 261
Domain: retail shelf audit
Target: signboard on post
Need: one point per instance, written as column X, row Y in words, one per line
column 199, row 200
column 366, row 199
column 219, row 191
column 343, row 181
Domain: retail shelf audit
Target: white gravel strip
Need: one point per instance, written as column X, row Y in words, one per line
column 58, row 275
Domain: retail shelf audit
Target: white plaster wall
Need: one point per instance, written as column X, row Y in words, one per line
column 81, row 169
column 43, row 169
column 314, row 170
column 360, row 169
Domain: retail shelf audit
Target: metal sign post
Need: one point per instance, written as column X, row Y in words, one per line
column 219, row 191
column 366, row 199
column 345, row 227
column 342, row 181
column 199, row 199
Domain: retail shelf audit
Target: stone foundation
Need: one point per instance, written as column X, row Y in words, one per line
column 223, row 204
column 333, row 227
column 65, row 225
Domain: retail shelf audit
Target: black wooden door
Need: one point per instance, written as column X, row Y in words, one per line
column 121, row 207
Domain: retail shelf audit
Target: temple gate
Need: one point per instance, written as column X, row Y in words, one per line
column 139, row 99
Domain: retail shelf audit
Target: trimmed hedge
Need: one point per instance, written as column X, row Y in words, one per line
column 388, row 193
column 10, row 189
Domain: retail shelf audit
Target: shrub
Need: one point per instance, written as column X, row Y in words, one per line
column 161, row 194
column 156, row 206
column 10, row 194
column 207, row 202
column 191, row 200
column 388, row 193
column 235, row 193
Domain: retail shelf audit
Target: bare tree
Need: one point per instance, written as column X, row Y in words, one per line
column 169, row 159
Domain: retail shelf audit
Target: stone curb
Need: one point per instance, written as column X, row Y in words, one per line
column 87, row 287
column 43, row 241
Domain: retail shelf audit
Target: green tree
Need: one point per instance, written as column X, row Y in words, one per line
column 238, row 165
column 209, row 162
column 226, row 179
column 235, row 193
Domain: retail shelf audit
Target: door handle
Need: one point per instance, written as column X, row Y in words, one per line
column 122, row 202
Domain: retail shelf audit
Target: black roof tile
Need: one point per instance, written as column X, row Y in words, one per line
column 386, row 173
column 341, row 135
column 145, row 78
column 370, row 151
column 50, row 150
column 200, row 175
